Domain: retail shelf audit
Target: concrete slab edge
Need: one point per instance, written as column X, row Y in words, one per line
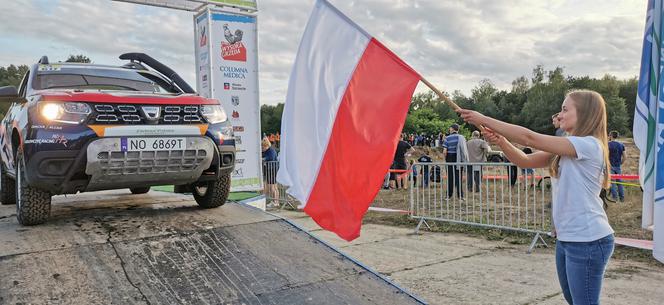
column 361, row 265
column 258, row 202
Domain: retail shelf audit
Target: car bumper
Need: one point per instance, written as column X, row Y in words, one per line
column 101, row 165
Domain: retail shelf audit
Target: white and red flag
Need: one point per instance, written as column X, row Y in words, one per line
column 348, row 97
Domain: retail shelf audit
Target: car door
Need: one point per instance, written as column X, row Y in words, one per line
column 8, row 123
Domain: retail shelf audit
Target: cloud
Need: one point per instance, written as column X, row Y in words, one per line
column 454, row 44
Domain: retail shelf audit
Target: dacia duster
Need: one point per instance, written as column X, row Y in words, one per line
column 75, row 127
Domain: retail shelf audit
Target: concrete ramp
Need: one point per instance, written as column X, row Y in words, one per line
column 159, row 248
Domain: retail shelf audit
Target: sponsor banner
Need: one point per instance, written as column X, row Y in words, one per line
column 202, row 50
column 233, row 66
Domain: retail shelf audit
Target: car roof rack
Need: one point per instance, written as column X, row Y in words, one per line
column 134, row 65
column 43, row 60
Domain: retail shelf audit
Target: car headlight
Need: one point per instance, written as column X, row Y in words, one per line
column 69, row 113
column 213, row 113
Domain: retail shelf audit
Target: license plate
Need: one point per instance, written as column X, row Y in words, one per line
column 148, row 144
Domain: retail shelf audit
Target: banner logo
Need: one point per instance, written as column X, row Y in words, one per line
column 203, row 39
column 233, row 48
column 151, row 112
column 234, row 72
column 237, row 173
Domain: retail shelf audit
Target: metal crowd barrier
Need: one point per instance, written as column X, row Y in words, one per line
column 275, row 192
column 490, row 195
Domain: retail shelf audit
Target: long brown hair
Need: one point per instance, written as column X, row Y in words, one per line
column 590, row 121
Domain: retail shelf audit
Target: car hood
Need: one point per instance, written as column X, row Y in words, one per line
column 123, row 97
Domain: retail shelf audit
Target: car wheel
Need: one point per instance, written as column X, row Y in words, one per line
column 212, row 194
column 139, row 190
column 33, row 205
column 7, row 188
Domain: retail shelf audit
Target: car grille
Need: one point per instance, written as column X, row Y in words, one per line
column 150, row 162
column 136, row 114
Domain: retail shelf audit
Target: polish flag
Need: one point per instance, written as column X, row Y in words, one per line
column 348, row 97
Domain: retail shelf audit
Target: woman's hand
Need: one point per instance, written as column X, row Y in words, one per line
column 492, row 136
column 472, row 117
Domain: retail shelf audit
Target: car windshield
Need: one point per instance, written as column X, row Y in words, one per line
column 102, row 79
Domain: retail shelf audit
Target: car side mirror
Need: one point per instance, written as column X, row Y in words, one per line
column 8, row 94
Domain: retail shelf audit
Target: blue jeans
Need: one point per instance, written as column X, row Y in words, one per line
column 621, row 192
column 581, row 266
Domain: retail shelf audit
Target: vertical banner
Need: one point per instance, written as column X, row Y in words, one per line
column 227, row 70
column 202, row 50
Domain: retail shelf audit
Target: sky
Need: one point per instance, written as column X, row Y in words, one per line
column 453, row 44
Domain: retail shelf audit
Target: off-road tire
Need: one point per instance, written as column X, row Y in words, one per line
column 7, row 188
column 139, row 190
column 216, row 193
column 33, row 206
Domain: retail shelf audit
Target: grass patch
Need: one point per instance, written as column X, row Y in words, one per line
column 163, row 188
column 233, row 196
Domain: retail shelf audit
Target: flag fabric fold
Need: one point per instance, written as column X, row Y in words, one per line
column 649, row 125
column 348, row 97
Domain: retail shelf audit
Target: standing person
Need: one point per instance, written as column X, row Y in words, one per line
column 454, row 150
column 579, row 165
column 556, row 123
column 528, row 173
column 413, row 168
column 617, row 158
column 477, row 152
column 425, row 169
column 399, row 162
column 270, row 168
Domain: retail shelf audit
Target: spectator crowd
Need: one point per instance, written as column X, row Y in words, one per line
column 457, row 149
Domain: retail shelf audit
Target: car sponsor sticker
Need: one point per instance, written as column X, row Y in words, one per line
column 49, row 68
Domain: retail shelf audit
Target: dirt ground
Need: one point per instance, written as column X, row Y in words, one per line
column 461, row 268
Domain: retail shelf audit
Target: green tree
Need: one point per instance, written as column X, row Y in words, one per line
column 617, row 116
column 12, row 75
column 543, row 99
column 271, row 118
column 538, row 74
column 483, row 101
column 78, row 58
column 627, row 91
column 424, row 120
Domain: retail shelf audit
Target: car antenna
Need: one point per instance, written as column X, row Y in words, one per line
column 43, row 60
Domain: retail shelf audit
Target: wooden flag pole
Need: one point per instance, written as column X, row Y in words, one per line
column 445, row 98
column 441, row 95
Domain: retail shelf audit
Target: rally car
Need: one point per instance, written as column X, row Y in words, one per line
column 75, row 127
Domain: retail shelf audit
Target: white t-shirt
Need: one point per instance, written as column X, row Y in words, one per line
column 578, row 212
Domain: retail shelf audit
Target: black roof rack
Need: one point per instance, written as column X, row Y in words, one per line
column 43, row 60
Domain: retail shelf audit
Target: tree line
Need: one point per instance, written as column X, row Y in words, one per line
column 529, row 103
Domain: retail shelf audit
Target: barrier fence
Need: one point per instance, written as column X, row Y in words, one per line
column 490, row 195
